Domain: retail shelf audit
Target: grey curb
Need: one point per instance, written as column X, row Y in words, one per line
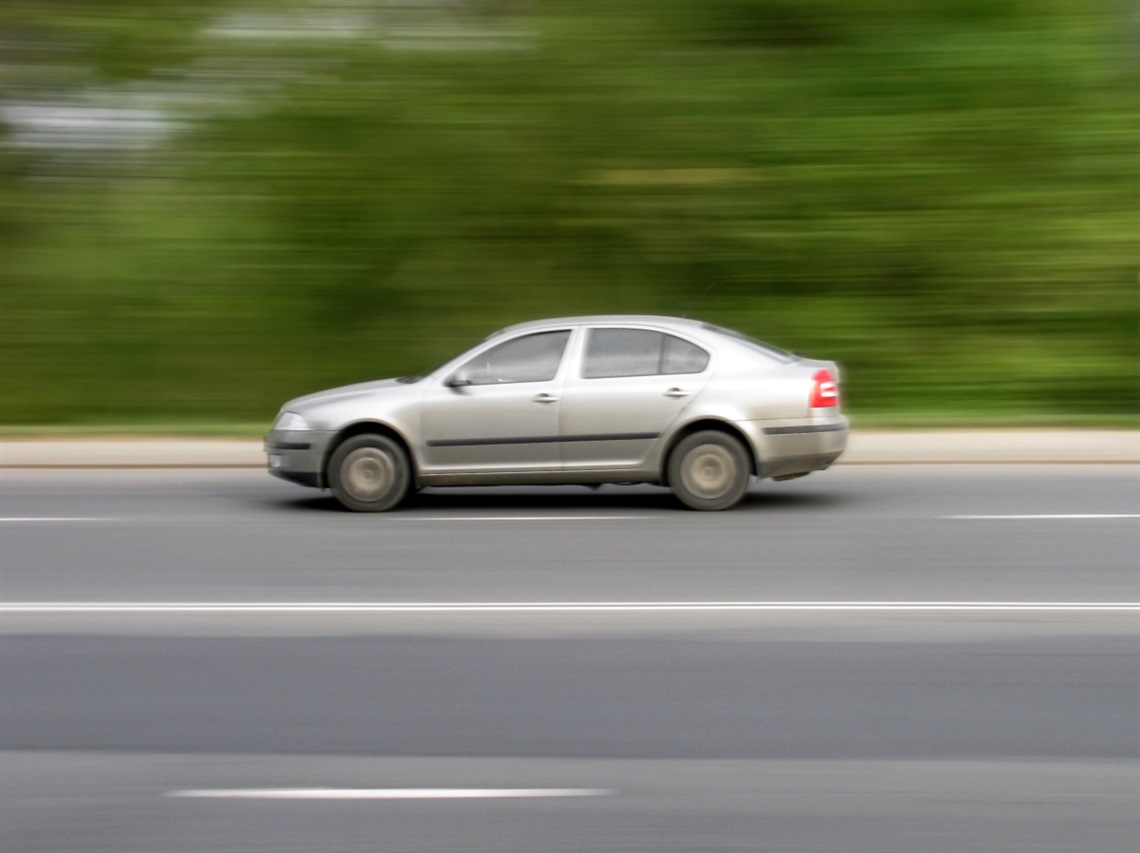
column 873, row 447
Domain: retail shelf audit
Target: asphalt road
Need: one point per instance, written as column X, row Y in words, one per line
column 895, row 658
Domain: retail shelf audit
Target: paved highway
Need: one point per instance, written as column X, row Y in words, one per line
column 887, row 658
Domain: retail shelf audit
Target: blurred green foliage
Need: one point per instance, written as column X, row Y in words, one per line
column 285, row 196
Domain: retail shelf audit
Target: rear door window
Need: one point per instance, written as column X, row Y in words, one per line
column 639, row 352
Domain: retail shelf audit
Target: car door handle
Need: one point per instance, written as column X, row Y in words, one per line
column 677, row 392
column 546, row 398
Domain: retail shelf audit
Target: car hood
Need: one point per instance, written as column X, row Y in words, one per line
column 344, row 392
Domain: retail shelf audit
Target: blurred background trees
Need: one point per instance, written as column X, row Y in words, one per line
column 209, row 206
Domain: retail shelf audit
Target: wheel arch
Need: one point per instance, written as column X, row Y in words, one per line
column 367, row 428
column 700, row 425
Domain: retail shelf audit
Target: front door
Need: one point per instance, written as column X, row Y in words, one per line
column 499, row 411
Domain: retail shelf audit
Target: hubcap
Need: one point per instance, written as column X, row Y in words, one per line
column 367, row 473
column 709, row 471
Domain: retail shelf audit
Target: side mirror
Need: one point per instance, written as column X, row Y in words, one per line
column 459, row 379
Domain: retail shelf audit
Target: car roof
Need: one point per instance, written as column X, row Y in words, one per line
column 606, row 319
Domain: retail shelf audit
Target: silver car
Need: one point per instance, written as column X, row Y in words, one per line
column 590, row 400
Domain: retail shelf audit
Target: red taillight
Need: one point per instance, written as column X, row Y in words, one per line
column 824, row 390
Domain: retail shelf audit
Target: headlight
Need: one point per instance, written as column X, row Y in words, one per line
column 291, row 421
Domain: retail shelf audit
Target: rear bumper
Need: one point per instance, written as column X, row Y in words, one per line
column 789, row 448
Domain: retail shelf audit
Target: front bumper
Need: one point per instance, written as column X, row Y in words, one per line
column 297, row 456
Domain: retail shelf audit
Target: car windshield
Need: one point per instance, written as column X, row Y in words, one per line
column 776, row 353
column 442, row 364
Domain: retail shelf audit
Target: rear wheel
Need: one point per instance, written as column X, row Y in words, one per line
column 709, row 470
column 369, row 473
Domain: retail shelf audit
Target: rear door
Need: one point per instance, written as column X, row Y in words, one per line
column 628, row 386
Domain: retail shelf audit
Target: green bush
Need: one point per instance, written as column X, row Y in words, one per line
column 940, row 195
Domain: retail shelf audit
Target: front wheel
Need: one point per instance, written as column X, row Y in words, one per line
column 369, row 473
column 709, row 470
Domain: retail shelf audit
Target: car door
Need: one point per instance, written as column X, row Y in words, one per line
column 629, row 386
column 499, row 410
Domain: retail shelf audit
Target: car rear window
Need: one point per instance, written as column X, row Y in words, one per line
column 782, row 356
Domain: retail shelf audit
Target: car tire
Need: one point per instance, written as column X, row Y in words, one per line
column 709, row 470
column 369, row 473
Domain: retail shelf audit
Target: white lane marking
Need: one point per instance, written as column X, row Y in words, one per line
column 1067, row 517
column 25, row 520
column 221, row 607
column 392, row 793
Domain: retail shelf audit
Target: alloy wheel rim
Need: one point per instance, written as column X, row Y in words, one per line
column 709, row 471
column 368, row 473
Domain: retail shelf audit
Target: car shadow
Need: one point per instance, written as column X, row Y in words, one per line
column 560, row 498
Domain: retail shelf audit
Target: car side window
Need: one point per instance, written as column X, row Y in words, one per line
column 639, row 352
column 682, row 357
column 531, row 358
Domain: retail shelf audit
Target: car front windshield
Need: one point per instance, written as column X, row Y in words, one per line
column 441, row 365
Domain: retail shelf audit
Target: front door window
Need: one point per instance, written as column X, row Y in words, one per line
column 533, row 358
